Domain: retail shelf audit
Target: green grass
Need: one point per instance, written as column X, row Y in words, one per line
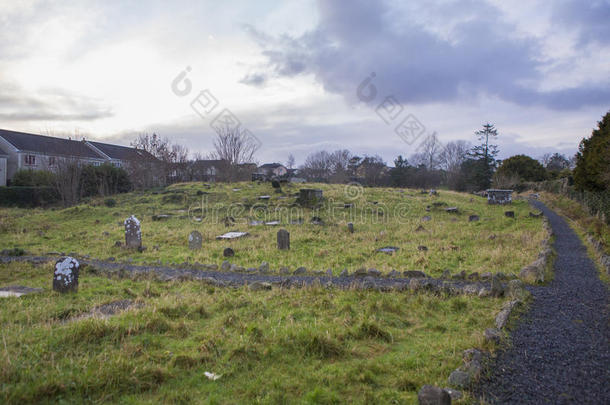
column 495, row 243
column 310, row 345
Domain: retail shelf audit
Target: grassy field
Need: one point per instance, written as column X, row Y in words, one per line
column 382, row 217
column 308, row 345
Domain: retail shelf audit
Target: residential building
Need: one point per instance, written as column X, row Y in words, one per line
column 269, row 171
column 38, row 152
column 3, row 159
column 20, row 150
column 119, row 155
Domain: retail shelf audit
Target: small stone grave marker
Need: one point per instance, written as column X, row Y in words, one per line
column 388, row 249
column 283, row 239
column 228, row 252
column 195, row 240
column 317, row 221
column 233, row 235
column 509, row 214
column 17, row 291
column 350, row 227
column 133, row 233
column 473, row 218
column 65, row 276
column 452, row 210
column 426, row 218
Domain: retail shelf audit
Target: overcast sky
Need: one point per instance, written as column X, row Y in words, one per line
column 294, row 72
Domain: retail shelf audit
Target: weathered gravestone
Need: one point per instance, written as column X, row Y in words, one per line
column 309, row 197
column 195, row 240
column 473, row 218
column 495, row 196
column 65, row 276
column 350, row 227
column 133, row 233
column 509, row 214
column 283, row 239
column 228, row 252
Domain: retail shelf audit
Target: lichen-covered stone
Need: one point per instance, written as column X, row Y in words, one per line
column 133, row 233
column 195, row 240
column 65, row 276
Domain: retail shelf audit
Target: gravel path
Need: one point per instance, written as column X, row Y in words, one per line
column 560, row 351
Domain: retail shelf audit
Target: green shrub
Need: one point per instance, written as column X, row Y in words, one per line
column 104, row 180
column 33, row 178
column 27, row 197
column 110, row 202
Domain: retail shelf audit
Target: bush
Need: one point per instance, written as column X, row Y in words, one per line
column 104, row 180
column 33, row 178
column 110, row 202
column 27, row 197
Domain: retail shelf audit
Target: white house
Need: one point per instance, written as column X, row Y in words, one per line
column 38, row 152
column 20, row 150
column 270, row 170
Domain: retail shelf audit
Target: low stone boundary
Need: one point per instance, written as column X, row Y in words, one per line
column 534, row 272
column 474, row 360
column 260, row 279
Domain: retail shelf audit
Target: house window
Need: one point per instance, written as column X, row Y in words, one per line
column 52, row 161
column 96, row 163
column 30, row 160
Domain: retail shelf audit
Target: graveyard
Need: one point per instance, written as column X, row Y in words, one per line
column 479, row 237
column 118, row 338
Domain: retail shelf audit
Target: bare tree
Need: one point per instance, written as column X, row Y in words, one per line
column 290, row 161
column 173, row 156
column 373, row 169
column 453, row 155
column 234, row 145
column 67, row 178
column 317, row 166
column 339, row 163
column 429, row 153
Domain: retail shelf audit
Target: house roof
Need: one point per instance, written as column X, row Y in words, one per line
column 3, row 153
column 271, row 166
column 121, row 152
column 210, row 162
column 48, row 145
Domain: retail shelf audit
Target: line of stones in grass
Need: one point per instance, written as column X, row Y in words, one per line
column 534, row 272
column 475, row 360
column 263, row 279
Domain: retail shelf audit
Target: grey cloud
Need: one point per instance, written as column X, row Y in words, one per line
column 255, row 79
column 48, row 105
column 590, row 18
column 416, row 65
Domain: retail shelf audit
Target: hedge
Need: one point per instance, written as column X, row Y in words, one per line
column 27, row 197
